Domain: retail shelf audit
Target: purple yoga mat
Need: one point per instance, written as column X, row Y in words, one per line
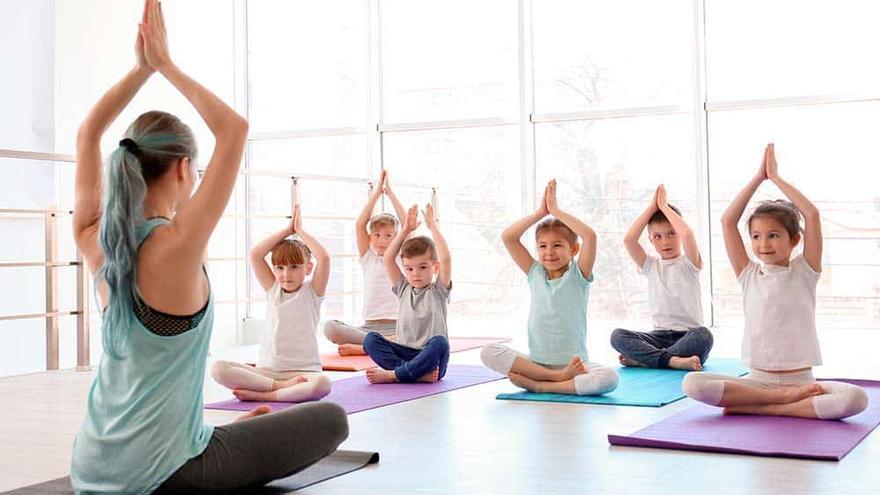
column 356, row 394
column 705, row 428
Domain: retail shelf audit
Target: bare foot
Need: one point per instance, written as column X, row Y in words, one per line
column 378, row 375
column 686, row 363
column 431, row 377
column 794, row 394
column 574, row 368
column 625, row 361
column 523, row 382
column 258, row 411
column 351, row 350
column 252, row 395
column 279, row 384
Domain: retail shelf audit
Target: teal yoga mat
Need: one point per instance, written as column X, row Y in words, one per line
column 648, row 387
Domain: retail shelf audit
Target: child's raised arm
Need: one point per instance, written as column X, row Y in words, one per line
column 631, row 239
column 399, row 209
column 363, row 235
column 812, row 219
column 587, row 256
column 511, row 236
column 688, row 240
column 443, row 254
column 736, row 251
column 88, row 194
column 409, row 223
column 322, row 271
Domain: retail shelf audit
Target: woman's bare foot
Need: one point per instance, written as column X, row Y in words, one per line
column 574, row 368
column 686, row 363
column 258, row 411
column 351, row 350
column 252, row 395
column 279, row 384
column 431, row 377
column 523, row 382
column 378, row 375
column 625, row 361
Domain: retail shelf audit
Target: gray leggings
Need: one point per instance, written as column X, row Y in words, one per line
column 259, row 450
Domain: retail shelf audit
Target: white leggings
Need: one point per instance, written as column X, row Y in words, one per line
column 597, row 380
column 342, row 333
column 840, row 400
column 234, row 376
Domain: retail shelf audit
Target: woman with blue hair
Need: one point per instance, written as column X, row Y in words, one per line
column 144, row 429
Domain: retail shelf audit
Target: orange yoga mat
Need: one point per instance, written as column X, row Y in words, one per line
column 332, row 361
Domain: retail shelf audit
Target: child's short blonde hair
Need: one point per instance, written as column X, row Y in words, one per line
column 557, row 225
column 382, row 220
column 417, row 246
column 291, row 252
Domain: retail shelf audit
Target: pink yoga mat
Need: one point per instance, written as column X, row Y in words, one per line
column 332, row 361
column 356, row 394
column 705, row 428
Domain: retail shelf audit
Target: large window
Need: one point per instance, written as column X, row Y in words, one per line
column 472, row 105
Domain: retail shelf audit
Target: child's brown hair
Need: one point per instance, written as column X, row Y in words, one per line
column 291, row 252
column 659, row 216
column 417, row 246
column 558, row 225
column 382, row 220
column 784, row 212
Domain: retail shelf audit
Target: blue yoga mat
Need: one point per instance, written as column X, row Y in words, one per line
column 649, row 387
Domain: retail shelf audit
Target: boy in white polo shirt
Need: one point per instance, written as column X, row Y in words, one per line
column 374, row 234
column 679, row 339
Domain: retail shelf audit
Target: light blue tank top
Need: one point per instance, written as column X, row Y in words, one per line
column 144, row 418
column 558, row 315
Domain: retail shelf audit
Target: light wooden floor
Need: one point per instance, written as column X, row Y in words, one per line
column 467, row 442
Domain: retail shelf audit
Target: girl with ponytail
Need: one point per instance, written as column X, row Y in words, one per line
column 143, row 233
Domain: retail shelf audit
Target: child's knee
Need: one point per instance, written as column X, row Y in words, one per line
column 696, row 386
column 323, row 385
column 704, row 335
column 618, row 337
column 840, row 402
column 372, row 340
column 331, row 330
column 219, row 371
column 496, row 357
column 597, row 380
column 438, row 343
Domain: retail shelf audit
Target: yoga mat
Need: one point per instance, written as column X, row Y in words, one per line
column 356, row 394
column 649, row 387
column 705, row 428
column 336, row 464
column 332, row 361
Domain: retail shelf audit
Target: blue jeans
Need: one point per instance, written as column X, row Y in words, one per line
column 657, row 347
column 408, row 364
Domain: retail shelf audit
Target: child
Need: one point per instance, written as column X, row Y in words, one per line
column 288, row 368
column 422, row 349
column 780, row 345
column 679, row 339
column 374, row 234
column 559, row 288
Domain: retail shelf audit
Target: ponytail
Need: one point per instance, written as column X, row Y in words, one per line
column 153, row 143
column 124, row 192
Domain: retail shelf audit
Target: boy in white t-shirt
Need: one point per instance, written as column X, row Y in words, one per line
column 374, row 234
column 780, row 345
column 288, row 368
column 679, row 339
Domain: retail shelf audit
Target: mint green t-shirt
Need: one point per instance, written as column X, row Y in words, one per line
column 558, row 315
